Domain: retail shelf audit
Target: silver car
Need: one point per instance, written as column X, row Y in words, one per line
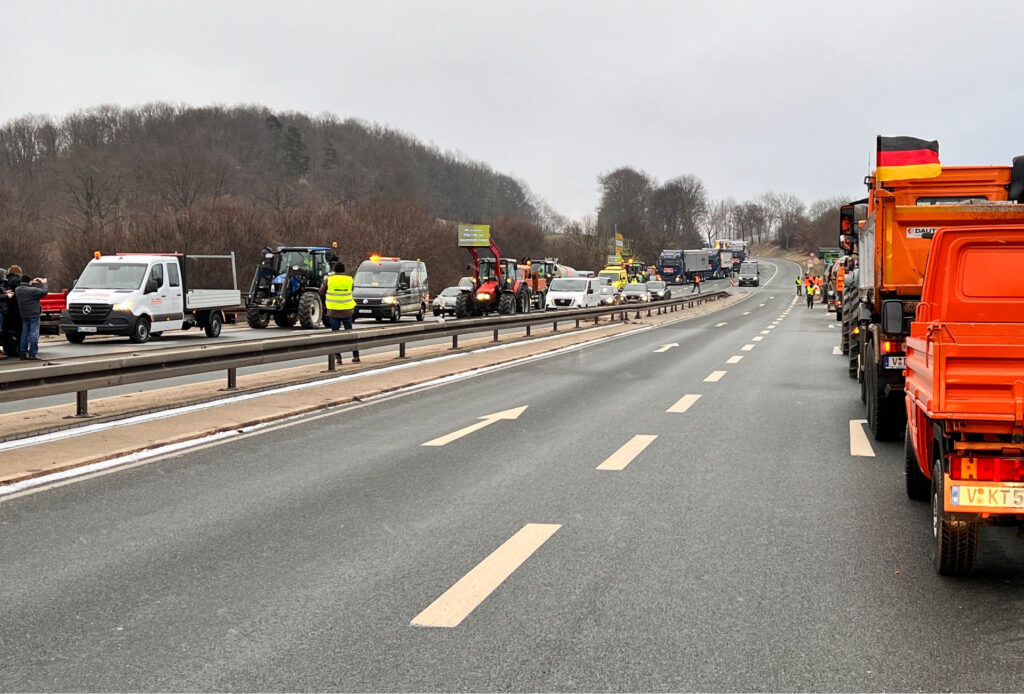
column 444, row 303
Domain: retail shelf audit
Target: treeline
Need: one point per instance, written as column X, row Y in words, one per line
column 212, row 180
column 678, row 213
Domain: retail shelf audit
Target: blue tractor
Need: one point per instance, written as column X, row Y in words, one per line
column 286, row 287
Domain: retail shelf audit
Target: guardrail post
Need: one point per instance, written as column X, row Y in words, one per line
column 554, row 327
column 455, row 341
column 331, row 363
column 232, row 379
column 597, row 319
column 577, row 322
column 495, row 338
column 528, row 331
column 401, row 350
column 82, row 403
column 648, row 313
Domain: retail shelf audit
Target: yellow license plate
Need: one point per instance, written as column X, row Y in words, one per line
column 961, row 496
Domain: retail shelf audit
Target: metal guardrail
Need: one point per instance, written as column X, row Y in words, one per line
column 81, row 374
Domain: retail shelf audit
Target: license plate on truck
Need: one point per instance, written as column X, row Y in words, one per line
column 895, row 362
column 86, row 329
column 984, row 496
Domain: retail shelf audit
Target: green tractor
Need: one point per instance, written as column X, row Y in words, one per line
column 286, row 287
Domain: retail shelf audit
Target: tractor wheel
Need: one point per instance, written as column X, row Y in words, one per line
column 256, row 318
column 75, row 338
column 918, row 486
column 956, row 541
column 284, row 320
column 523, row 302
column 310, row 310
column 852, row 364
column 462, row 305
column 507, row 304
column 140, row 332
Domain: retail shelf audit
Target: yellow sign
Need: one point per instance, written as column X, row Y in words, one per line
column 474, row 235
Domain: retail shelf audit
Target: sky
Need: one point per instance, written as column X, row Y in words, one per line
column 749, row 96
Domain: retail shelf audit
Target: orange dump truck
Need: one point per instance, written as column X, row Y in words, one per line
column 965, row 388
column 894, row 243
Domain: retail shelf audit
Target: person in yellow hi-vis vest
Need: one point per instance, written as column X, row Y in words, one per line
column 336, row 292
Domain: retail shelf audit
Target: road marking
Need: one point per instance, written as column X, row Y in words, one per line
column 665, row 348
column 758, row 338
column 684, row 404
column 760, row 305
column 485, row 421
column 746, row 313
column 456, row 603
column 837, row 350
column 859, row 444
column 735, row 359
column 766, row 332
column 771, row 297
column 831, row 325
column 747, row 348
column 715, row 376
column 719, row 325
column 629, row 451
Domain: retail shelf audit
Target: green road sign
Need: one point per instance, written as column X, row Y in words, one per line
column 474, row 235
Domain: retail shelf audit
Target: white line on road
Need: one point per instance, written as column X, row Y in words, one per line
column 714, row 376
column 456, row 603
column 766, row 332
column 837, row 350
column 735, row 359
column 629, row 451
column 719, row 325
column 747, row 348
column 760, row 305
column 859, row 444
column 746, row 313
column 665, row 348
column 684, row 404
column 485, row 421
column 758, row 338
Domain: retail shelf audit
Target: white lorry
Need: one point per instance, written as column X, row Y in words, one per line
column 137, row 295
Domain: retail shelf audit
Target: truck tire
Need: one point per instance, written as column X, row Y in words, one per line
column 140, row 331
column 255, row 318
column 75, row 338
column 311, row 311
column 213, row 324
column 956, row 541
column 918, row 486
column 507, row 304
column 284, row 320
column 462, row 305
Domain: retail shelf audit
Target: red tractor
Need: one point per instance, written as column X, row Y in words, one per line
column 496, row 287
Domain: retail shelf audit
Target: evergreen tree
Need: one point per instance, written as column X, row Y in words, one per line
column 330, row 159
column 296, row 154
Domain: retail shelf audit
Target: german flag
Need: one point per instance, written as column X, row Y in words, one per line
column 902, row 158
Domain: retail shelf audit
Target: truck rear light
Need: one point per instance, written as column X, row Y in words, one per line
column 987, row 469
column 891, row 347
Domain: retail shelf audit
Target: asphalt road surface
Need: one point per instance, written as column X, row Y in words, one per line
column 733, row 544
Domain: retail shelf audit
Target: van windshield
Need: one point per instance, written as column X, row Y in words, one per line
column 370, row 278
column 112, row 276
column 568, row 284
column 748, row 267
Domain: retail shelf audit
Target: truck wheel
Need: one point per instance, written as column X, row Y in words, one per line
column 75, row 338
column 507, row 304
column 422, row 314
column 918, row 486
column 396, row 314
column 284, row 320
column 462, row 305
column 140, row 331
column 956, row 541
column 213, row 324
column 255, row 318
column 310, row 310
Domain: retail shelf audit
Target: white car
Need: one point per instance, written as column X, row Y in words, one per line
column 444, row 303
column 572, row 292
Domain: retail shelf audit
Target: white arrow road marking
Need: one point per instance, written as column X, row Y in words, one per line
column 747, row 348
column 629, row 451
column 485, row 421
column 715, row 376
column 665, row 348
column 719, row 325
column 735, row 359
column 837, row 350
column 684, row 404
column 456, row 603
column 859, row 444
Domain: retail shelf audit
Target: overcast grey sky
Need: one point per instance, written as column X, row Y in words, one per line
column 749, row 96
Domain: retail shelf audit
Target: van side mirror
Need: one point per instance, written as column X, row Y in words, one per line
column 151, row 287
column 892, row 317
column 590, row 290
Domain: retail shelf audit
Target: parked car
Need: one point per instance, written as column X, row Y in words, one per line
column 444, row 303
column 572, row 292
column 659, row 291
column 636, row 293
column 608, row 295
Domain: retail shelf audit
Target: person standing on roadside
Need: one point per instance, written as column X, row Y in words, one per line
column 696, row 283
column 29, row 294
column 811, row 290
column 336, row 292
column 799, row 284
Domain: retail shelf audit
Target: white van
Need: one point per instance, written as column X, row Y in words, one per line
column 573, row 292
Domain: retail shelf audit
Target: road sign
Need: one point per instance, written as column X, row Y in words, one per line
column 474, row 235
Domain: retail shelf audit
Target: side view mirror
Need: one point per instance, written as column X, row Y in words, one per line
column 892, row 317
column 151, row 287
column 590, row 290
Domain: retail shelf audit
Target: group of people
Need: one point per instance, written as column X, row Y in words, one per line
column 810, row 286
column 20, row 300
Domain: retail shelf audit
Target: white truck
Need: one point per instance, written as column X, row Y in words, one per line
column 695, row 262
column 139, row 295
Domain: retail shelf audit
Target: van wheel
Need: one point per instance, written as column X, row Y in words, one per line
column 396, row 313
column 423, row 313
column 213, row 324
column 75, row 338
column 140, row 331
column 918, row 486
column 956, row 541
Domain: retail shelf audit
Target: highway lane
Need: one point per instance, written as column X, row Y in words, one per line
column 56, row 350
column 743, row 548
